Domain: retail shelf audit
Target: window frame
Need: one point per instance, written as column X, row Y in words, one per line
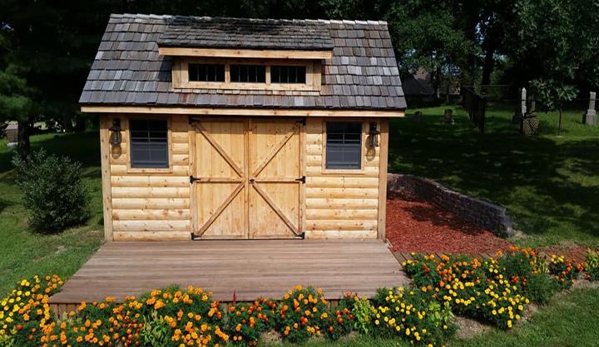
column 344, row 171
column 169, row 143
column 180, row 74
column 207, row 64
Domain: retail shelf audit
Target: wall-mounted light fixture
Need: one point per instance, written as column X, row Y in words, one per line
column 373, row 135
column 115, row 132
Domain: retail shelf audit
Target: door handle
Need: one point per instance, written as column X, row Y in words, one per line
column 252, row 181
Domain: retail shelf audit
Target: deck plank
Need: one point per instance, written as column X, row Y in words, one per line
column 250, row 269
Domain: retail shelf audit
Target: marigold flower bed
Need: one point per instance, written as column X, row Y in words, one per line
column 423, row 228
column 496, row 290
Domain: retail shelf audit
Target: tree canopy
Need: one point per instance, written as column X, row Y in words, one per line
column 47, row 46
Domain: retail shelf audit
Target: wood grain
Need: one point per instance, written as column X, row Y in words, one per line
column 248, row 268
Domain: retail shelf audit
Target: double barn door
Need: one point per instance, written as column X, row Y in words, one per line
column 247, row 178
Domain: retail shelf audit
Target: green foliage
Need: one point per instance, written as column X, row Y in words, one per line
column 155, row 331
column 564, row 271
column 247, row 321
column 553, row 94
column 540, row 288
column 412, row 316
column 470, row 287
column 302, row 313
column 363, row 311
column 592, row 265
column 53, row 191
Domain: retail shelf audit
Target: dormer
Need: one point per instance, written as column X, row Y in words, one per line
column 244, row 54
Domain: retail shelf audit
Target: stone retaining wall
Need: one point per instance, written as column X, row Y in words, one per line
column 479, row 212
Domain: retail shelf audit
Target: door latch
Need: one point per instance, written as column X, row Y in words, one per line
column 301, row 179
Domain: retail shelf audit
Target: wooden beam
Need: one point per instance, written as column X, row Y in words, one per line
column 198, row 111
column 106, row 183
column 383, row 165
column 243, row 53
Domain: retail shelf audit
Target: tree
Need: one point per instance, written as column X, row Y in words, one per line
column 557, row 48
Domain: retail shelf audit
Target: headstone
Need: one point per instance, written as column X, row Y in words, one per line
column 523, row 102
column 12, row 134
column 590, row 117
column 448, row 116
column 530, row 122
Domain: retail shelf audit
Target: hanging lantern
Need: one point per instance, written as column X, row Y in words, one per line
column 115, row 132
column 373, row 135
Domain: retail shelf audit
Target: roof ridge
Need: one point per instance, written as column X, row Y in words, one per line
column 283, row 20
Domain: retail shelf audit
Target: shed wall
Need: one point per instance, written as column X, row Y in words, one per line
column 340, row 204
column 156, row 204
column 151, row 203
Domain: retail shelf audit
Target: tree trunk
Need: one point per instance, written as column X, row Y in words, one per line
column 23, row 144
column 488, row 66
column 559, row 124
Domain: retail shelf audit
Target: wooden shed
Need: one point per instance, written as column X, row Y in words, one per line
column 222, row 128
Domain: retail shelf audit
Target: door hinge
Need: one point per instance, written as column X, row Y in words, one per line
column 301, row 179
column 193, row 237
column 302, row 121
column 193, row 179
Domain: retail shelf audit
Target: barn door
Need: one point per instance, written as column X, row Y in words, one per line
column 275, row 177
column 220, row 179
column 248, row 176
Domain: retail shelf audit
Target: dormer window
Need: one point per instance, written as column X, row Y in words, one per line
column 253, row 74
column 248, row 73
column 206, row 72
column 288, row 74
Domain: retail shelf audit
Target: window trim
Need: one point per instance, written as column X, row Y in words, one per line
column 358, row 171
column 180, row 74
column 169, row 147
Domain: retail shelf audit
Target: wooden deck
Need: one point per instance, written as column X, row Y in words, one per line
column 249, row 269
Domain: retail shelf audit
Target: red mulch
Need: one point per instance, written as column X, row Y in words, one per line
column 421, row 227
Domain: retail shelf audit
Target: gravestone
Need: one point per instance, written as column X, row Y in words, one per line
column 12, row 134
column 590, row 116
column 448, row 116
column 530, row 122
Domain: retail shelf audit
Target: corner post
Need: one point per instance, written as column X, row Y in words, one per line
column 106, row 186
column 383, row 166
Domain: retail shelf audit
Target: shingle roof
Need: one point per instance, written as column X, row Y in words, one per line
column 128, row 70
column 207, row 32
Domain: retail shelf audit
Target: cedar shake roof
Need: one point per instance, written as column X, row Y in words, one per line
column 128, row 71
column 206, row 32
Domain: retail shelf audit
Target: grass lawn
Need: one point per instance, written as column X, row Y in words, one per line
column 549, row 183
column 25, row 253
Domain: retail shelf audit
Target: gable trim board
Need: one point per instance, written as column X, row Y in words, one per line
column 243, row 53
column 242, row 112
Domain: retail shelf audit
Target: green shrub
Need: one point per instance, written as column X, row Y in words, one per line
column 410, row 314
column 519, row 264
column 362, row 310
column 247, row 321
column 304, row 313
column 540, row 288
column 564, row 271
column 53, row 191
column 470, row 287
column 592, row 265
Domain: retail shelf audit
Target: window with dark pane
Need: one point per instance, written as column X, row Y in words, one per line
column 206, row 72
column 344, row 145
column 248, row 73
column 287, row 74
column 149, row 143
